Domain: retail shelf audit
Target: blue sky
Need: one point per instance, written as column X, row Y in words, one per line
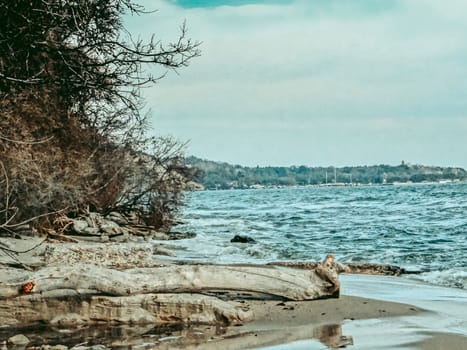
column 325, row 82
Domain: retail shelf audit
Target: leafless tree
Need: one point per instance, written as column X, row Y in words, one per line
column 71, row 130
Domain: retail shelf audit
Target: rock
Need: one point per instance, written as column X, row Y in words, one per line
column 160, row 236
column 91, row 231
column 180, row 235
column 18, row 339
column 94, row 347
column 68, row 319
column 163, row 251
column 54, row 347
column 93, row 219
column 79, row 225
column 98, row 347
column 110, row 227
column 242, row 239
column 117, row 218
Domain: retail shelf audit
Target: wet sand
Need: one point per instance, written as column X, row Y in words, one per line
column 412, row 315
column 353, row 322
column 319, row 322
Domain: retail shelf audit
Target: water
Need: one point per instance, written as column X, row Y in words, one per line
column 418, row 227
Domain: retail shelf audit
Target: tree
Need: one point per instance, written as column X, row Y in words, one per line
column 72, row 135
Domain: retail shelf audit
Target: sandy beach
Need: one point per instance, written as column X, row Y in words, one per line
column 373, row 312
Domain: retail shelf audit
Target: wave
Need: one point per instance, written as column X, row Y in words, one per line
column 456, row 278
column 419, row 228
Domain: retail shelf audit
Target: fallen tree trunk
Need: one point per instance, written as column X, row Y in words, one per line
column 281, row 282
column 144, row 290
column 90, row 294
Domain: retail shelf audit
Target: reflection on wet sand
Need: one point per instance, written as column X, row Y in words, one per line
column 331, row 335
column 196, row 337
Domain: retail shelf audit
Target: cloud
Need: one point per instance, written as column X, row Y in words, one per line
column 303, row 71
column 216, row 3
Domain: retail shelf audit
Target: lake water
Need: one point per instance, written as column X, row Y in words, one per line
column 418, row 227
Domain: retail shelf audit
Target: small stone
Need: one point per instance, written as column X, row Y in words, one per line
column 18, row 339
column 242, row 239
column 98, row 347
column 70, row 319
column 80, row 225
column 92, row 231
column 180, row 235
column 163, row 251
column 117, row 218
column 160, row 236
column 93, row 347
column 110, row 227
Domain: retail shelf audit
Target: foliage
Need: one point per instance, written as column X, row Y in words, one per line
column 215, row 175
column 72, row 137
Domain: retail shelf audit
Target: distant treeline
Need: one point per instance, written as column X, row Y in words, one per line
column 217, row 175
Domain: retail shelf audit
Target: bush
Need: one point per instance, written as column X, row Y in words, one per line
column 72, row 138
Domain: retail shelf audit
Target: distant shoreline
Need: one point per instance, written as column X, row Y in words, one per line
column 217, row 175
column 261, row 187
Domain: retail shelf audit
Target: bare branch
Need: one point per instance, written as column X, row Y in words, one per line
column 70, row 113
column 31, row 142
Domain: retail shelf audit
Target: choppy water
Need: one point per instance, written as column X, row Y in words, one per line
column 418, row 227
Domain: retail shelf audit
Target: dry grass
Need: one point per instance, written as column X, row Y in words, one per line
column 52, row 163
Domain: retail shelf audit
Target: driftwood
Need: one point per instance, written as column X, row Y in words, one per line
column 124, row 283
column 87, row 293
column 353, row 268
column 375, row 269
column 282, row 282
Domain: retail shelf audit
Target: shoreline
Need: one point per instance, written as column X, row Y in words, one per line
column 378, row 312
column 350, row 322
column 372, row 312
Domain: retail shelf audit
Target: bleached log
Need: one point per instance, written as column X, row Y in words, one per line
column 277, row 281
column 86, row 293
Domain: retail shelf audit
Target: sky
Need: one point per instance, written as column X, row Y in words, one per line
column 315, row 83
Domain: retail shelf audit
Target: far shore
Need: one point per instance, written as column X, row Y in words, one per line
column 334, row 184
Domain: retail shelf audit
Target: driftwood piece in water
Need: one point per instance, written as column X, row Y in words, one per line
column 281, row 282
column 353, row 268
column 73, row 310
column 375, row 269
